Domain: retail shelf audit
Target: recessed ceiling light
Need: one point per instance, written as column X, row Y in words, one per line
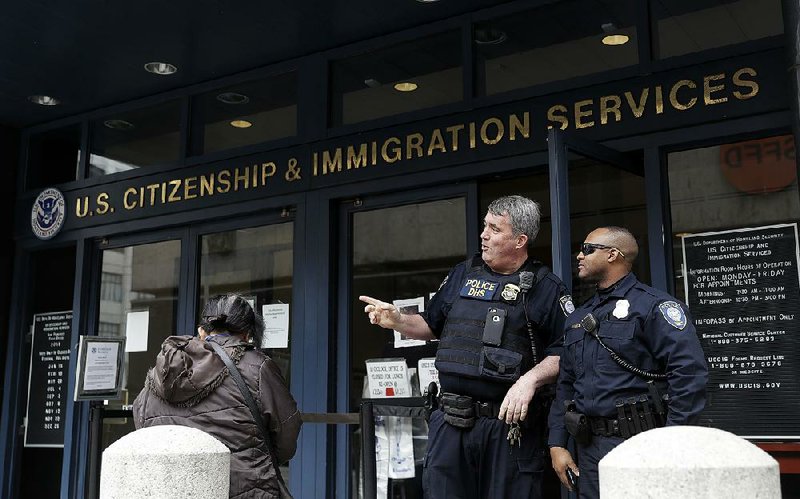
column 233, row 98
column 405, row 86
column 160, row 68
column 490, row 36
column 372, row 83
column 44, row 100
column 118, row 124
column 427, row 1
column 241, row 124
column 615, row 39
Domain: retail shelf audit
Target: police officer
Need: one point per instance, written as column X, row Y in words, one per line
column 657, row 378
column 499, row 317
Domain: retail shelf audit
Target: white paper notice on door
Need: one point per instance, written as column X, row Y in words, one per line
column 276, row 325
column 408, row 306
column 136, row 330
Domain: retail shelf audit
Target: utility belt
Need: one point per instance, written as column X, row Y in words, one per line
column 462, row 411
column 634, row 415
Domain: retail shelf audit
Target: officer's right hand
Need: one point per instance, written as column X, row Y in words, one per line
column 381, row 313
column 562, row 459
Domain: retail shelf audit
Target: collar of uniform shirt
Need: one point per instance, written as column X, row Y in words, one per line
column 619, row 288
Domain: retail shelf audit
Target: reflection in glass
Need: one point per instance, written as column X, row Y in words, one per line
column 408, row 261
column 135, row 139
column 269, row 106
column 744, row 184
column 254, row 262
column 553, row 43
column 137, row 279
column 683, row 27
column 379, row 83
column 600, row 195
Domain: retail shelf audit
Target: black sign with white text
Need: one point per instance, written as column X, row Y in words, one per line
column 47, row 390
column 743, row 290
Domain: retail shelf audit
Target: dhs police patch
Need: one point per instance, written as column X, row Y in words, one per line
column 47, row 214
column 673, row 313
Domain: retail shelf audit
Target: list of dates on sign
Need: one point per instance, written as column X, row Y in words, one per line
column 48, row 380
column 743, row 289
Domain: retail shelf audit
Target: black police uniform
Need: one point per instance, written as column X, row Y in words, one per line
column 477, row 462
column 651, row 331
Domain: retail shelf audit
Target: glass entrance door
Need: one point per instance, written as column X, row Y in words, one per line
column 399, row 251
column 138, row 300
column 593, row 186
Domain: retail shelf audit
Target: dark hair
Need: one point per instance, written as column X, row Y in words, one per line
column 232, row 313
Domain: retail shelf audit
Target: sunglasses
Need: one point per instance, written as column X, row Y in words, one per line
column 589, row 248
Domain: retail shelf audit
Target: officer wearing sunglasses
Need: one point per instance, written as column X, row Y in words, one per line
column 631, row 362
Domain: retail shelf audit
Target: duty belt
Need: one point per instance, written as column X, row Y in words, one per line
column 462, row 411
column 604, row 427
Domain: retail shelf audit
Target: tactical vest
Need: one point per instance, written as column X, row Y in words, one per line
column 462, row 350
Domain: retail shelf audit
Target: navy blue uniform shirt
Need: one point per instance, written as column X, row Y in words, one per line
column 649, row 329
column 546, row 307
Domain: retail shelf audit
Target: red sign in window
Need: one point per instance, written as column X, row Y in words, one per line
column 759, row 166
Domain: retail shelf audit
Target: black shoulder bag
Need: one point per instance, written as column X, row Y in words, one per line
column 251, row 404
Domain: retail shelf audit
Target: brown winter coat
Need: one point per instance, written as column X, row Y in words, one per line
column 190, row 386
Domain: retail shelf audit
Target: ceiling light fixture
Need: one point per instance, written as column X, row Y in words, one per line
column 160, row 68
column 613, row 35
column 44, row 100
column 241, row 124
column 427, row 1
column 615, row 40
column 372, row 83
column 405, row 86
column 489, row 36
column 233, row 98
column 118, row 124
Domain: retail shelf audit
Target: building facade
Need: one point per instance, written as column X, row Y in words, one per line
column 366, row 170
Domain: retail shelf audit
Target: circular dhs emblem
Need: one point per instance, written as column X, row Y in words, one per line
column 47, row 214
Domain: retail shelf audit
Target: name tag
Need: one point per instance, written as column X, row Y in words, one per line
column 479, row 289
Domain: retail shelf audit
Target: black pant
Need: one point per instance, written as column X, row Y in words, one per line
column 478, row 463
column 588, row 458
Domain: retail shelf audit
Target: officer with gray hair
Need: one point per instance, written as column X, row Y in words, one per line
column 499, row 317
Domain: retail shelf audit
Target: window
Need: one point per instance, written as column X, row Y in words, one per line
column 684, row 27
column 135, row 139
column 554, row 43
column 111, row 286
column 53, row 156
column 407, row 77
column 244, row 114
column 729, row 186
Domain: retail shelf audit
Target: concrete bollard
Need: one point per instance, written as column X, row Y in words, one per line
column 688, row 461
column 165, row 462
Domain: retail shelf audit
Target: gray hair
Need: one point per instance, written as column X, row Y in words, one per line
column 523, row 214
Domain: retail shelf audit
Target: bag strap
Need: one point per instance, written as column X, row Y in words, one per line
column 248, row 399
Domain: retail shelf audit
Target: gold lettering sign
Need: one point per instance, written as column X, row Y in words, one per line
column 623, row 106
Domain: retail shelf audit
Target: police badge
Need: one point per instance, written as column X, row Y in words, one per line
column 510, row 292
column 673, row 314
column 47, row 213
column 566, row 305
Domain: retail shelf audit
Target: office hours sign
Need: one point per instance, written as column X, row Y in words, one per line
column 47, row 388
column 743, row 290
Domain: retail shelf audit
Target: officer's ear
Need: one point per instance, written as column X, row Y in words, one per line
column 522, row 241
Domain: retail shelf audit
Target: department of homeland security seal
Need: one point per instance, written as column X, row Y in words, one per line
column 673, row 313
column 47, row 213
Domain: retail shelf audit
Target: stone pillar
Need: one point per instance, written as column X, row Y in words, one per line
column 688, row 461
column 165, row 462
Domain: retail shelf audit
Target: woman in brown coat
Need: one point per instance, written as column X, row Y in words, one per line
column 190, row 386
